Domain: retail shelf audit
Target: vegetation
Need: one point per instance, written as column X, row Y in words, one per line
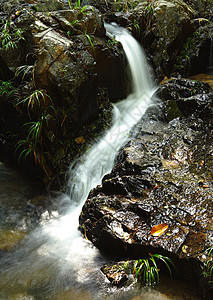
column 26, row 70
column 149, row 14
column 209, row 266
column 90, row 41
column 10, row 35
column 77, row 4
column 147, row 270
column 7, row 90
column 33, row 144
column 36, row 100
column 124, row 5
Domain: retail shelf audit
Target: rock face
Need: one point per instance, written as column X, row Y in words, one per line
column 64, row 56
column 175, row 36
column 163, row 175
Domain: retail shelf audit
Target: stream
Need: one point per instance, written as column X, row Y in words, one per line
column 53, row 260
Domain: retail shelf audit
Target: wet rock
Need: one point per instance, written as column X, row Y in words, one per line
column 202, row 7
column 162, row 27
column 48, row 5
column 174, row 188
column 115, row 274
column 70, row 60
column 183, row 97
column 9, row 6
column 193, row 58
column 9, row 238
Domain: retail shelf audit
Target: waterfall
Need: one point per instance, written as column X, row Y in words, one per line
column 100, row 159
column 55, row 255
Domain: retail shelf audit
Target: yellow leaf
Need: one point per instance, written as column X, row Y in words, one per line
column 159, row 229
column 184, row 248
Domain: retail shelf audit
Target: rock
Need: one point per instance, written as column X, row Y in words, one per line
column 164, row 26
column 163, row 175
column 202, row 7
column 49, row 5
column 8, row 239
column 194, row 56
column 70, row 61
column 183, row 97
column 115, row 274
column 9, row 6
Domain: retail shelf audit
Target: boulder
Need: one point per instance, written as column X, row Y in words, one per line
column 163, row 176
column 183, row 97
column 164, row 26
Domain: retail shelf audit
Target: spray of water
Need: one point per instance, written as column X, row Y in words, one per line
column 55, row 256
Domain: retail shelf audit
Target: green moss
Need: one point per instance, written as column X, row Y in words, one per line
column 172, row 110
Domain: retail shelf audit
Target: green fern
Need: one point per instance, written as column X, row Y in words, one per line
column 10, row 35
column 147, row 271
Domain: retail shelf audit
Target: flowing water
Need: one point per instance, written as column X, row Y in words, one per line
column 54, row 261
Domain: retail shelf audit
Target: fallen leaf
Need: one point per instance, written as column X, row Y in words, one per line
column 184, row 248
column 205, row 186
column 159, row 229
column 80, row 140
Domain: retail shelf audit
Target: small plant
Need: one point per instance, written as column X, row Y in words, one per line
column 79, row 3
column 70, row 4
column 147, row 271
column 26, row 70
column 7, row 90
column 90, row 41
column 32, row 145
column 137, row 26
column 35, row 100
column 149, row 14
column 112, row 41
column 10, row 35
column 209, row 266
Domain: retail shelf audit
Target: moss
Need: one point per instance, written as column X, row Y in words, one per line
column 172, row 110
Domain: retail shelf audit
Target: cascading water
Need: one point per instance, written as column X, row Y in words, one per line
column 55, row 257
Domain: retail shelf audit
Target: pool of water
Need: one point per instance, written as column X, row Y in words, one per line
column 31, row 268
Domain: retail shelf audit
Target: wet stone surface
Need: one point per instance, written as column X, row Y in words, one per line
column 163, row 175
column 173, row 186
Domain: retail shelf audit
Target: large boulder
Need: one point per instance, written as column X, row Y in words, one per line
column 163, row 176
column 183, row 97
column 166, row 26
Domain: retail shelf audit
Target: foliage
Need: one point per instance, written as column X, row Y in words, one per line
column 112, row 41
column 137, row 26
column 209, row 266
column 26, row 70
column 7, row 90
column 77, row 4
column 149, row 14
column 124, row 5
column 10, row 35
column 147, row 271
column 90, row 41
column 35, row 100
column 33, row 143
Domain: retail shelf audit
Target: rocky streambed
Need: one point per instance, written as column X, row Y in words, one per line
column 162, row 176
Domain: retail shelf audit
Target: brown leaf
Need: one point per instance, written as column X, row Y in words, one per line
column 159, row 229
column 80, row 140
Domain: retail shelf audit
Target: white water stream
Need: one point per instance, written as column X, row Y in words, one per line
column 55, row 257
